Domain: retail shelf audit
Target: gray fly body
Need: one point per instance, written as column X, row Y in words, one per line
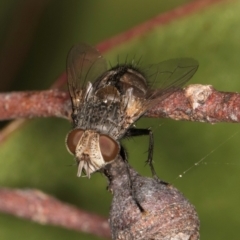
column 106, row 103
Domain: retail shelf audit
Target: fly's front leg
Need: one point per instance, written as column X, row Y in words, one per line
column 134, row 132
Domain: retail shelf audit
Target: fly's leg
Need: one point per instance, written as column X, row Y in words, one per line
column 134, row 132
column 124, row 158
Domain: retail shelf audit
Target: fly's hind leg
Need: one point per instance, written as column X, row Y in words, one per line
column 134, row 132
column 124, row 158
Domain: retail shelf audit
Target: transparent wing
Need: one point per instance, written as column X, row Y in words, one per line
column 168, row 76
column 84, row 64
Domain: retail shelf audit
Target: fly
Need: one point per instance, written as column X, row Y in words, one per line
column 106, row 103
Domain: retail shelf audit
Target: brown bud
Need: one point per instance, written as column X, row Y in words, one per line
column 167, row 213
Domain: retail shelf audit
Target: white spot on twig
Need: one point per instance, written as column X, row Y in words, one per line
column 198, row 94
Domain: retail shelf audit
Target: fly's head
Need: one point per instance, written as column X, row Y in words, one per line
column 91, row 149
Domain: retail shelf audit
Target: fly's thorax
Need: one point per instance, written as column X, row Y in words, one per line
column 103, row 115
column 91, row 149
column 114, row 102
column 129, row 87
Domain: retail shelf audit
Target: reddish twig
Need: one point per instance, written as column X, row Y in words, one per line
column 49, row 103
column 44, row 209
column 199, row 103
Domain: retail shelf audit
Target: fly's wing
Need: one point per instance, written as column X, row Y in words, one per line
column 166, row 77
column 84, row 65
column 163, row 79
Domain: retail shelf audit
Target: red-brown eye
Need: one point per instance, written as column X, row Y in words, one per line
column 109, row 148
column 72, row 139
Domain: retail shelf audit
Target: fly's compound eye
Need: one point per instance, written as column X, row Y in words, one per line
column 72, row 139
column 109, row 148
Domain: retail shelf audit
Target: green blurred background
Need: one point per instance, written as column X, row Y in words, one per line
column 35, row 38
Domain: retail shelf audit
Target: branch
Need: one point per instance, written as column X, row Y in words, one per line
column 49, row 103
column 199, row 103
column 44, row 209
